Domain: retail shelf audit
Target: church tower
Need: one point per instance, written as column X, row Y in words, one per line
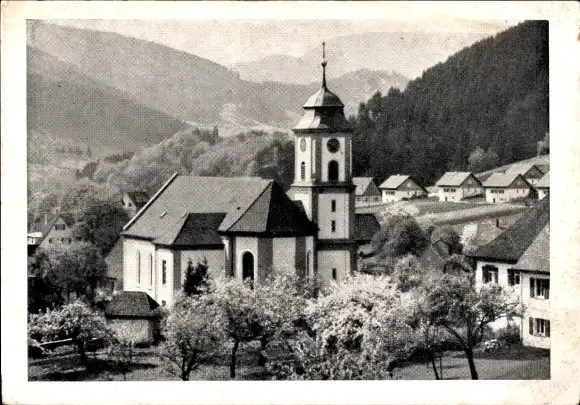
column 323, row 181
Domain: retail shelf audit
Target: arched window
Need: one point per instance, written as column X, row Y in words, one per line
column 333, row 170
column 308, row 264
column 150, row 269
column 138, row 267
column 302, row 171
column 248, row 266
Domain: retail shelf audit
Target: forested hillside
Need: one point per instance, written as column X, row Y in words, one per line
column 492, row 95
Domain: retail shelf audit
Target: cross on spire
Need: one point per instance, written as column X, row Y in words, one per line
column 323, row 65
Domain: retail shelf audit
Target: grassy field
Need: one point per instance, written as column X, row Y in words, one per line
column 516, row 363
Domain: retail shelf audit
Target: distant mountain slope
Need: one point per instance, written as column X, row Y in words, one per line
column 188, row 87
column 386, row 51
column 68, row 109
column 493, row 94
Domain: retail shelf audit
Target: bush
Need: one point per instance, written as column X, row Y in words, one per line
column 509, row 335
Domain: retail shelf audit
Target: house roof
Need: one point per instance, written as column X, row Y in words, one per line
column 523, row 168
column 435, row 255
column 132, row 304
column 502, row 179
column 272, row 213
column 394, row 181
column 454, row 179
column 537, row 255
column 68, row 219
column 544, row 182
column 513, row 242
column 362, row 184
column 194, row 229
column 366, row 225
column 246, row 205
column 139, row 198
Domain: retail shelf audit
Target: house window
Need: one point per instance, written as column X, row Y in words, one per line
column 302, row 171
column 163, row 303
column 50, row 240
column 513, row 277
column 540, row 288
column 333, row 170
column 333, row 226
column 539, row 327
column 60, row 227
column 138, row 267
column 62, row 240
column 334, row 275
column 333, row 206
column 163, row 272
column 490, row 274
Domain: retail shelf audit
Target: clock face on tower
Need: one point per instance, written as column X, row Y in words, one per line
column 333, row 145
column 303, row 144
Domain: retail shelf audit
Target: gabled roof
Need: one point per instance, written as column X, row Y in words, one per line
column 435, row 255
column 454, row 179
column 544, row 182
column 366, row 226
column 139, row 198
column 511, row 244
column 523, row 168
column 537, row 256
column 361, row 184
column 193, row 194
column 68, row 219
column 503, row 180
column 394, row 181
column 271, row 213
column 194, row 229
column 132, row 304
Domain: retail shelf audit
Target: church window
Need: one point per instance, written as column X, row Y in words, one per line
column 308, row 263
column 302, row 171
column 150, row 269
column 334, row 275
column 138, row 267
column 333, row 170
column 333, row 226
column 248, row 266
column 333, row 206
column 164, row 272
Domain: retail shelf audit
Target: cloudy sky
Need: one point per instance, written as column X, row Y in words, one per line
column 229, row 42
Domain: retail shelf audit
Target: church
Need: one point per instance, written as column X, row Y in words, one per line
column 249, row 227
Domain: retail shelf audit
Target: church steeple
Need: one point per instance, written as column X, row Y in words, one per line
column 324, row 62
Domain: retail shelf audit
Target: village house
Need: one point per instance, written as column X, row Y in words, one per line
column 57, row 233
column 498, row 261
column 135, row 314
column 529, row 171
column 400, row 186
column 249, row 227
column 366, row 190
column 455, row 186
column 133, row 201
column 543, row 186
column 504, row 187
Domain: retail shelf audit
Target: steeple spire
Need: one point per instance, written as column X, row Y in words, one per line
column 324, row 62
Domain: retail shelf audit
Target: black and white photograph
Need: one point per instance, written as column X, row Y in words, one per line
column 294, row 199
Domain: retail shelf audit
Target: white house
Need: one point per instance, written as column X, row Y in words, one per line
column 248, row 227
column 400, row 186
column 57, row 233
column 502, row 261
column 455, row 186
column 504, row 187
column 366, row 190
column 133, row 201
column 543, row 186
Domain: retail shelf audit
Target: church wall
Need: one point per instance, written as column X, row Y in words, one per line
column 310, row 253
column 333, row 259
column 215, row 261
column 305, row 157
column 265, row 252
column 284, row 253
column 131, row 248
column 341, row 216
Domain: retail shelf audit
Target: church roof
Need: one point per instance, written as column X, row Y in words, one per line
column 191, row 211
column 323, row 98
column 272, row 213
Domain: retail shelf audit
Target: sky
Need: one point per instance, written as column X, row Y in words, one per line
column 227, row 41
